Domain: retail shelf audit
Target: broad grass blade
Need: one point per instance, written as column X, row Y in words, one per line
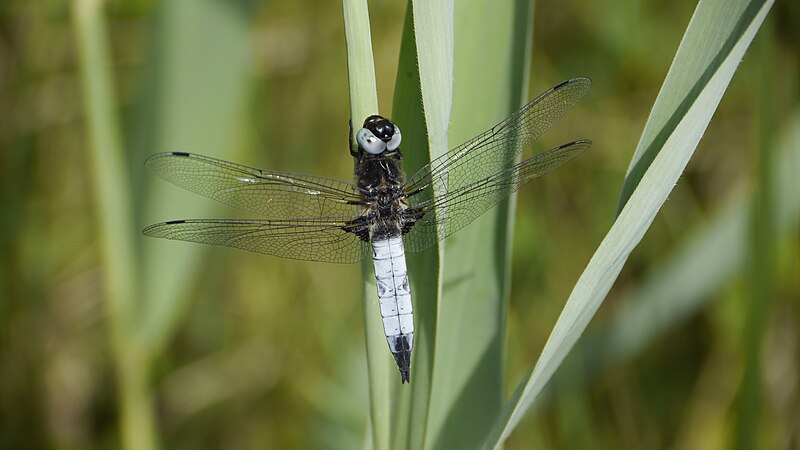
column 491, row 77
column 422, row 104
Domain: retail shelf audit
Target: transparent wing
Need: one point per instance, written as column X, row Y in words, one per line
column 490, row 152
column 328, row 240
column 269, row 193
column 440, row 216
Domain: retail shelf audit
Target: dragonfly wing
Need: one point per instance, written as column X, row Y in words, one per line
column 492, row 151
column 328, row 239
column 442, row 215
column 268, row 193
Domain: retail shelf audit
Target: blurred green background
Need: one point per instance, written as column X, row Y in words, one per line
column 242, row 350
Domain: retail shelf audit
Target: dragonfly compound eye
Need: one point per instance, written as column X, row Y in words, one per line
column 369, row 143
column 394, row 143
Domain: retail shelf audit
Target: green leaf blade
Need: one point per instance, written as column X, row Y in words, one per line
column 639, row 211
column 363, row 103
column 711, row 36
column 491, row 79
column 423, row 99
column 685, row 281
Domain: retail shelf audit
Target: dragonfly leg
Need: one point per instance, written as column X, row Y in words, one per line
column 359, row 227
column 353, row 145
column 412, row 215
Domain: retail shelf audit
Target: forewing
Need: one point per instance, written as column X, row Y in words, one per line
column 492, row 151
column 442, row 215
column 310, row 240
column 269, row 193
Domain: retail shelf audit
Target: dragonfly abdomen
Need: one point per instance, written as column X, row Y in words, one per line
column 394, row 294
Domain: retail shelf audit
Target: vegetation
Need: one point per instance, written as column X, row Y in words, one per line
column 691, row 236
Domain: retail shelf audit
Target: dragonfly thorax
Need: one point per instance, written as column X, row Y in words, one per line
column 388, row 196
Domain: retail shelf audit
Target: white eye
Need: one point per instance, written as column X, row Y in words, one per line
column 369, row 142
column 395, row 141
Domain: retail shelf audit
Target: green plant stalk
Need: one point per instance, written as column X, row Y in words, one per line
column 194, row 101
column 363, row 103
column 113, row 201
column 761, row 267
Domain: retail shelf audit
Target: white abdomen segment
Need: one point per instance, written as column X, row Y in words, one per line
column 394, row 295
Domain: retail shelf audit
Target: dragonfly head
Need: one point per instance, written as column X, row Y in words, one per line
column 378, row 135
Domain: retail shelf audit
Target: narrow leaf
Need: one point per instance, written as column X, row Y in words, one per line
column 715, row 29
column 113, row 200
column 363, row 103
column 432, row 44
column 651, row 192
column 686, row 281
column 423, row 268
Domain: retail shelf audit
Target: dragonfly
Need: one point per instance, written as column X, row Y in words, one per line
column 383, row 213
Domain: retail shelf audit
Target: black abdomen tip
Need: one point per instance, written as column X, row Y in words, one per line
column 400, row 346
column 403, row 360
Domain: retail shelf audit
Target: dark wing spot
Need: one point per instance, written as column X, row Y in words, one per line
column 560, row 85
